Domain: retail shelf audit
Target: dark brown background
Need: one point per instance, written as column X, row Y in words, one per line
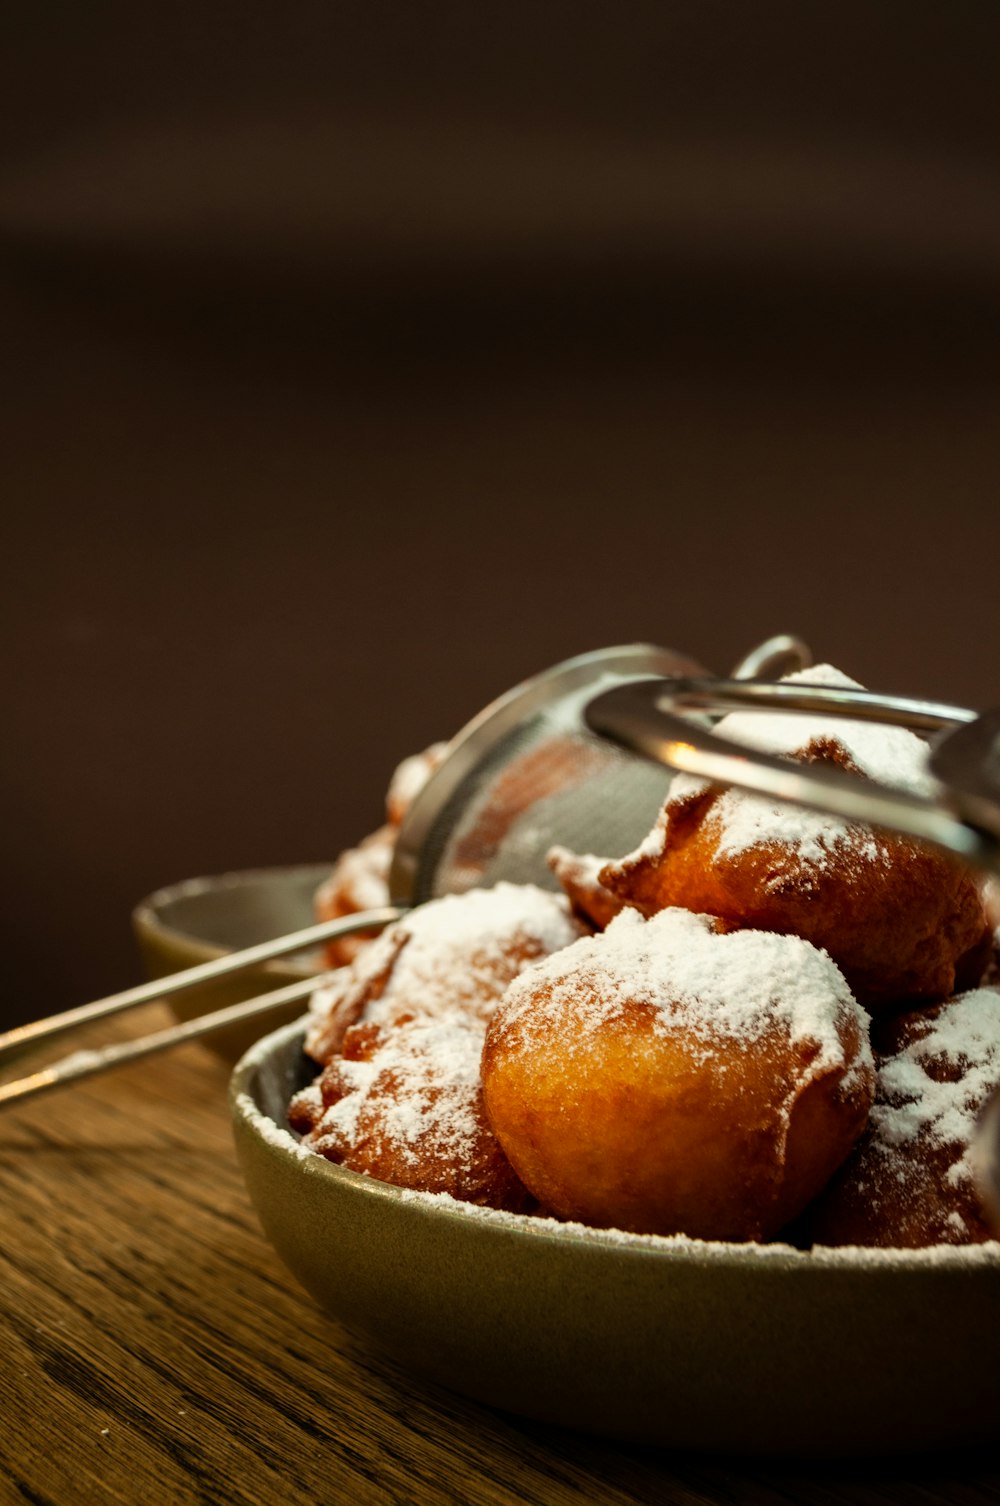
column 359, row 362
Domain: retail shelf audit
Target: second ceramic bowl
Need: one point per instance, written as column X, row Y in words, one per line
column 203, row 918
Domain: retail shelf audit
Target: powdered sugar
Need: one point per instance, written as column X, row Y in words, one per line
column 743, row 821
column 716, row 987
column 585, row 866
column 360, row 876
column 401, row 1032
column 409, row 778
column 453, row 955
column 273, row 1134
column 890, row 755
column 935, row 1087
column 423, row 1083
column 708, row 1251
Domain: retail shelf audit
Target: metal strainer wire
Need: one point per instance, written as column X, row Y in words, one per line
column 961, row 817
column 527, row 773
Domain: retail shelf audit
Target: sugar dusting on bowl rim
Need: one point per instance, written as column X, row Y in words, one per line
column 985, row 1256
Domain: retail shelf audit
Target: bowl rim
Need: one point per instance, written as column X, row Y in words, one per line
column 147, row 919
column 282, row 1143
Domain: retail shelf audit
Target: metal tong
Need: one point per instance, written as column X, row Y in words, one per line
column 964, row 757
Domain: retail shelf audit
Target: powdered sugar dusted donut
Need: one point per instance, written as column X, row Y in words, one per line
column 579, row 873
column 668, row 1077
column 451, row 956
column 408, row 779
column 403, row 1103
column 401, row 1033
column 911, row 1180
column 359, row 879
column 901, row 920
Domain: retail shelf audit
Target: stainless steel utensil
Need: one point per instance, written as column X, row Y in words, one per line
column 963, row 818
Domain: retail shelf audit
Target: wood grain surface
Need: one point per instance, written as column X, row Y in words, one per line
column 154, row 1350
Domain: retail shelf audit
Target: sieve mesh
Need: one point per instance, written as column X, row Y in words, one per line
column 528, row 773
column 545, row 784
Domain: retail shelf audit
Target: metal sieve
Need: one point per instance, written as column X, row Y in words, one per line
column 529, row 772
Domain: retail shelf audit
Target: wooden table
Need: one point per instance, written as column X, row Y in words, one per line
column 155, row 1351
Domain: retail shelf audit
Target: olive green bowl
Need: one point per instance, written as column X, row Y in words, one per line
column 204, row 918
column 737, row 1348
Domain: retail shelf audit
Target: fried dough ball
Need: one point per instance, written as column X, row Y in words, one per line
column 580, row 877
column 911, row 1182
column 403, row 1103
column 401, row 1030
column 451, row 956
column 668, row 1077
column 359, row 880
column 408, row 779
column 901, row 921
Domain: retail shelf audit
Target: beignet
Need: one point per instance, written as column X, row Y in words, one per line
column 359, row 879
column 910, row 1181
column 400, row 1033
column 667, row 1077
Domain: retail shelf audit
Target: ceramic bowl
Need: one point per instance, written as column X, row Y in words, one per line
column 203, row 918
column 736, row 1348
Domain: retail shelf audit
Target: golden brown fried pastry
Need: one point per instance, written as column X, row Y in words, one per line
column 408, row 779
column 451, row 956
column 910, row 1181
column 401, row 1035
column 667, row 1077
column 900, row 920
column 401, row 1032
column 359, row 880
column 580, row 877
column 403, row 1103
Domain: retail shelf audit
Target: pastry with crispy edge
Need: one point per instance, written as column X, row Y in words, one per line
column 403, row 1102
column 579, row 874
column 902, row 921
column 667, row 1076
column 910, row 1182
column 400, row 1033
column 451, row 956
column 359, row 879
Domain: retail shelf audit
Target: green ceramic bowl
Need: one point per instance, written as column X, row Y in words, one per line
column 203, row 918
column 739, row 1348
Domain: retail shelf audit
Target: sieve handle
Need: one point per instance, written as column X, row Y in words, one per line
column 82, row 1064
column 191, row 977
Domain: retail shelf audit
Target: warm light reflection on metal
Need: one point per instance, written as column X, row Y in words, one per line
column 674, row 753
